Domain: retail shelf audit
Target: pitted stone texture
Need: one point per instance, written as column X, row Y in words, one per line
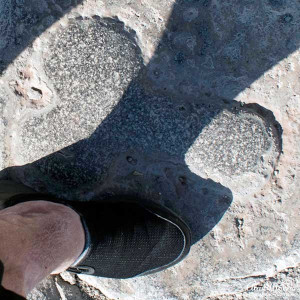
column 5, row 19
column 90, row 63
column 235, row 43
column 23, row 21
column 54, row 288
column 282, row 286
column 93, row 65
column 238, row 148
column 45, row 290
column 221, row 47
column 3, row 128
column 232, row 143
column 209, row 139
column 17, row 18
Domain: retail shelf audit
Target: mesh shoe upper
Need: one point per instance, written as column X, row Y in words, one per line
column 129, row 240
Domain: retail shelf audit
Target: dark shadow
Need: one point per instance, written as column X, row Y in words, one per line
column 189, row 61
column 22, row 21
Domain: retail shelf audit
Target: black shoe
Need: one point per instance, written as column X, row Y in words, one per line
column 125, row 237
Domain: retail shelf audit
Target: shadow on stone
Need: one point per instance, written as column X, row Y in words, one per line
column 177, row 109
column 21, row 22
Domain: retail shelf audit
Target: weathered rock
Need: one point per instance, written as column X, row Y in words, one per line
column 282, row 286
column 103, row 110
column 54, row 288
column 46, row 290
column 192, row 103
column 3, row 127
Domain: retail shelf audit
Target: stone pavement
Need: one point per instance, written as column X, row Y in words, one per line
column 193, row 103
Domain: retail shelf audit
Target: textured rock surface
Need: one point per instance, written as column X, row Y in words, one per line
column 192, row 103
column 62, row 287
column 3, row 125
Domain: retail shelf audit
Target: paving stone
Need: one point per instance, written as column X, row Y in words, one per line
column 194, row 104
column 46, row 290
column 94, row 65
column 3, row 127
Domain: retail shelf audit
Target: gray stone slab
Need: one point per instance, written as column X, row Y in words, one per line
column 95, row 67
column 54, row 288
column 91, row 64
column 280, row 287
column 3, row 128
column 153, row 108
column 97, row 71
column 221, row 47
column 46, row 290
column 17, row 19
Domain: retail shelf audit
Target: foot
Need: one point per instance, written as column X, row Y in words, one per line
column 121, row 237
column 38, row 239
column 130, row 237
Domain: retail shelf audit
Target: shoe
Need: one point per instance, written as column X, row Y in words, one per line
column 125, row 236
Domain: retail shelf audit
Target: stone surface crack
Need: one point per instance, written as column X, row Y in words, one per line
column 243, row 277
column 257, row 286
